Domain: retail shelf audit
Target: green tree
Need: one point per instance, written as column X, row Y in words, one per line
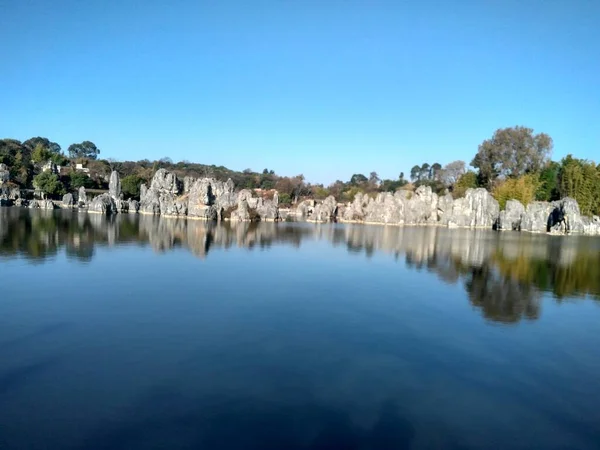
column 548, row 187
column 580, row 179
column 130, row 186
column 49, row 183
column 85, row 149
column 358, row 179
column 523, row 189
column 40, row 154
column 415, row 173
column 511, row 152
column 45, row 143
column 80, row 179
column 466, row 181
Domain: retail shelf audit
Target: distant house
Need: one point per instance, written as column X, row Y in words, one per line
column 79, row 167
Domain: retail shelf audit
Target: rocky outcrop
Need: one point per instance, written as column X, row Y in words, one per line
column 242, row 212
column 536, row 218
column 133, row 206
column 422, row 207
column 566, row 217
column 510, row 218
column 163, row 196
column 68, row 201
column 103, row 204
column 325, row 211
column 82, row 197
column 478, row 209
column 42, row 204
column 114, row 185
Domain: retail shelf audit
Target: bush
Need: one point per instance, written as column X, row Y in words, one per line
column 79, row 179
column 49, row 184
column 130, row 186
column 285, row 199
column 523, row 189
column 466, row 181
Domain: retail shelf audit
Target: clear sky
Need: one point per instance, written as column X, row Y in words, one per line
column 326, row 88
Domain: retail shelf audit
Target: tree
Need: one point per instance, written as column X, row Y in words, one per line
column 49, row 183
column 580, row 179
column 401, row 176
column 374, row 179
column 467, row 181
column 130, row 186
column 435, row 171
column 548, row 186
column 85, row 149
column 358, row 179
column 451, row 172
column 80, row 179
column 45, row 143
column 425, row 173
column 523, row 189
column 511, row 152
column 415, row 173
column 40, row 154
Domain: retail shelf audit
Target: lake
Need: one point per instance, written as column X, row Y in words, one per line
column 140, row 332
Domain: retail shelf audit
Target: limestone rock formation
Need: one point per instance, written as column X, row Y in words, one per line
column 82, row 197
column 114, row 185
column 242, row 212
column 68, row 200
column 103, row 204
column 325, row 211
column 163, row 195
column 537, row 217
column 42, row 204
column 133, row 206
column 510, row 218
column 422, row 207
column 566, row 218
column 478, row 209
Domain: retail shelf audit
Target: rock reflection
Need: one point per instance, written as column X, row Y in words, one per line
column 502, row 273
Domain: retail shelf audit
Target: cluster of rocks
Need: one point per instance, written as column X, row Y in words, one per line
column 561, row 217
column 203, row 198
column 9, row 193
column 477, row 209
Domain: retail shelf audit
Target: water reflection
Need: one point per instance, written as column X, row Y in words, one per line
column 503, row 274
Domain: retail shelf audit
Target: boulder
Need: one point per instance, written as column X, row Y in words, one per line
column 68, row 200
column 537, row 217
column 103, row 204
column 305, row 209
column 510, row 218
column 591, row 225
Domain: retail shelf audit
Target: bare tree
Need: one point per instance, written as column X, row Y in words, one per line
column 452, row 172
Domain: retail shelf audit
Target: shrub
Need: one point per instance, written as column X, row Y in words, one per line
column 466, row 181
column 523, row 189
column 130, row 186
column 285, row 199
column 49, row 184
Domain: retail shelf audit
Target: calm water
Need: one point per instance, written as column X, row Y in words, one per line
column 146, row 333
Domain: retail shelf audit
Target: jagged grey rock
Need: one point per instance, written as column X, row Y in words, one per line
column 114, row 185
column 267, row 210
column 537, row 217
column 385, row 208
column 82, row 197
column 510, row 218
column 67, row 200
column 133, row 206
column 422, row 207
column 445, row 204
column 103, row 204
column 163, row 195
column 242, row 213
column 478, row 209
column 566, row 217
column 325, row 211
column 42, row 204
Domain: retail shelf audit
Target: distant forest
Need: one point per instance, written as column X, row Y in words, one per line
column 515, row 163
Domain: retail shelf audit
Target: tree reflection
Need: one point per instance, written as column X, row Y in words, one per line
column 503, row 274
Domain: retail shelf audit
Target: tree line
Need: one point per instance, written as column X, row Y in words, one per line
column 513, row 164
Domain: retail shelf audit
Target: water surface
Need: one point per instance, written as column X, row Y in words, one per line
column 137, row 332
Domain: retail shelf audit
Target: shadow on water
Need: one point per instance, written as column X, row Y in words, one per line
column 504, row 274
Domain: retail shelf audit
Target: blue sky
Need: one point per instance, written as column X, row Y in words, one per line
column 324, row 88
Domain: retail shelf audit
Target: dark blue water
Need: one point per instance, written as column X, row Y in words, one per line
column 146, row 333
